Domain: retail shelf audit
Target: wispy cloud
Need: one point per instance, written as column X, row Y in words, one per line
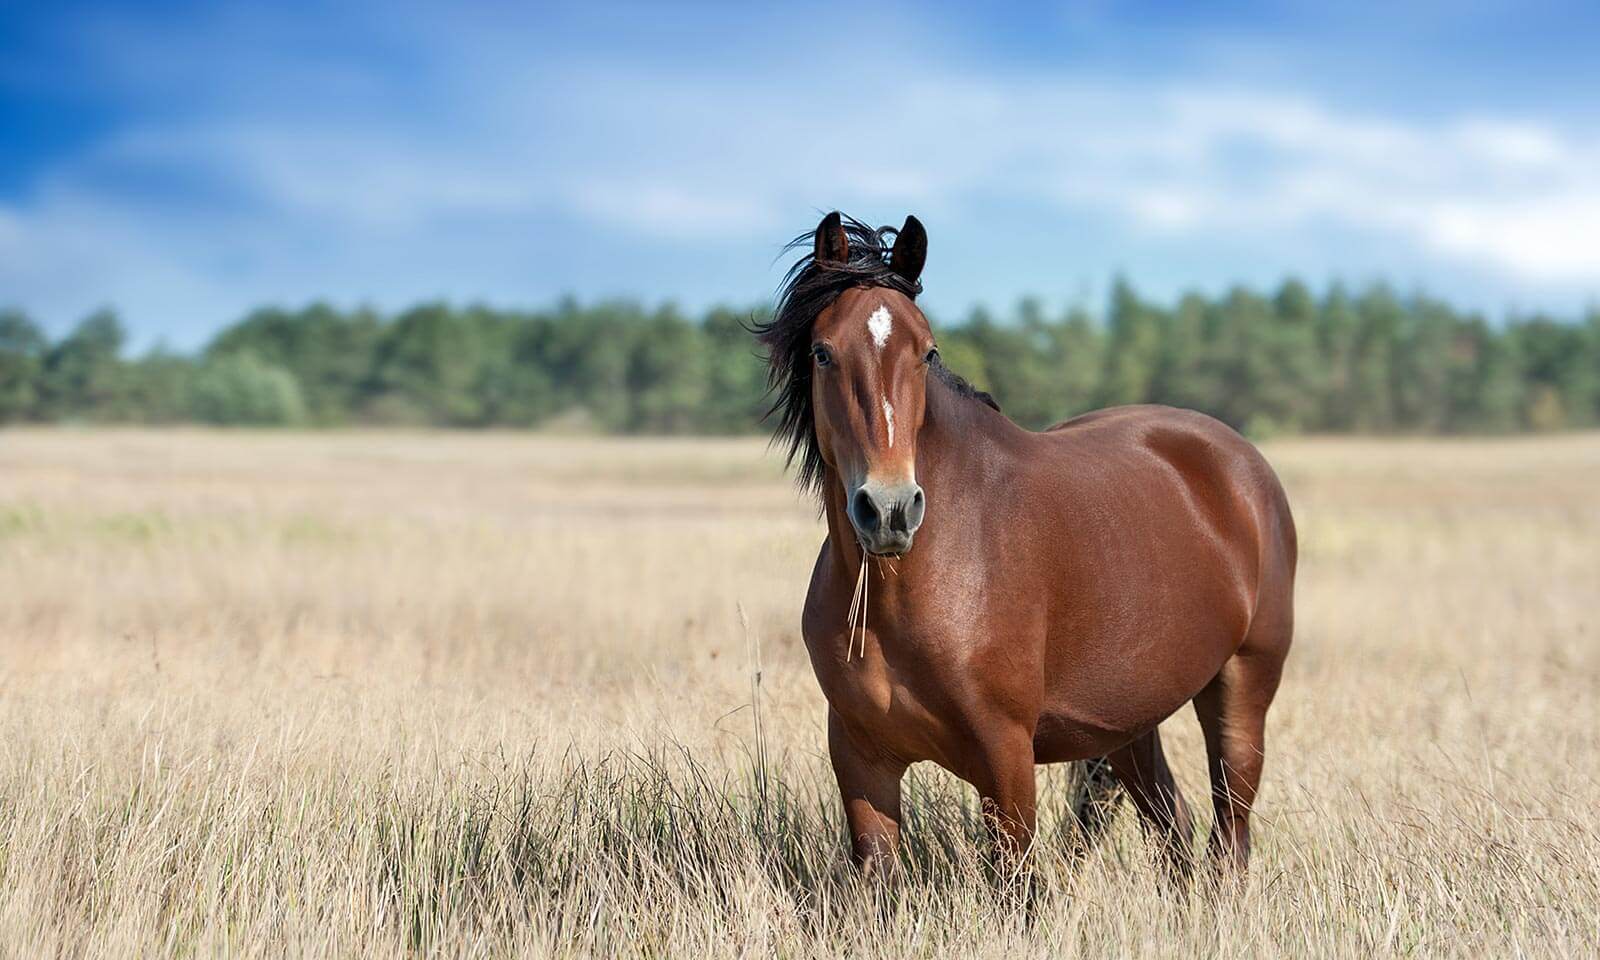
column 474, row 170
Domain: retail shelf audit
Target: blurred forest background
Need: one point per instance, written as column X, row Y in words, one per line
column 1289, row 361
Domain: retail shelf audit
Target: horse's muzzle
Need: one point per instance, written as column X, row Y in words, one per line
column 886, row 517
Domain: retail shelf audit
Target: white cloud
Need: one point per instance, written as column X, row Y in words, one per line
column 351, row 199
column 1545, row 239
column 673, row 213
column 1513, row 195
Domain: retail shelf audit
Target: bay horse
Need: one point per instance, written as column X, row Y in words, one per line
column 990, row 598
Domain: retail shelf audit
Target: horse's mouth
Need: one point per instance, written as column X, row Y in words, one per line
column 895, row 554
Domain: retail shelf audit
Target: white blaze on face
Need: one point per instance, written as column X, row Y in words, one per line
column 878, row 325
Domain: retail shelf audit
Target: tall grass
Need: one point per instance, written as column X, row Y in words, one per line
column 266, row 695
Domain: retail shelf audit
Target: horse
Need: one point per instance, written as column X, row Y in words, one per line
column 990, row 598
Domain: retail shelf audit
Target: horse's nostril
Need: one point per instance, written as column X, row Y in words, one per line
column 863, row 513
column 897, row 520
column 917, row 509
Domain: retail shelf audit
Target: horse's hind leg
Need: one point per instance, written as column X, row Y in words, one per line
column 1233, row 713
column 1095, row 793
column 1142, row 768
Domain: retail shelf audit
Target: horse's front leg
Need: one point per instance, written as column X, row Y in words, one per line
column 869, row 784
column 1004, row 777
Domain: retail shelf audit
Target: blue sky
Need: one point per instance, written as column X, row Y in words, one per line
column 186, row 161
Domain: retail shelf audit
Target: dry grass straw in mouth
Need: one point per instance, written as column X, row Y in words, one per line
column 858, row 604
column 858, row 613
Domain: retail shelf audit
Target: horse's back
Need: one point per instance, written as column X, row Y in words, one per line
column 1211, row 458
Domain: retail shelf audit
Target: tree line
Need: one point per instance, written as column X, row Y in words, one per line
column 1289, row 361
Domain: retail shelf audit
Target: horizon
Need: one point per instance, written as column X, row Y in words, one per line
column 188, row 164
column 1097, row 312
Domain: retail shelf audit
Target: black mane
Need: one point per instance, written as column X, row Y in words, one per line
column 808, row 288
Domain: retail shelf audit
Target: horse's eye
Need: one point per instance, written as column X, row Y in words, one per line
column 822, row 356
column 932, row 356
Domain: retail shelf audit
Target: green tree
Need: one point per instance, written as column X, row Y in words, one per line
column 1589, row 363
column 159, row 388
column 1182, row 378
column 1237, row 365
column 588, row 353
column 960, row 353
column 1486, row 388
column 83, row 374
column 240, row 390
column 331, row 354
column 512, row 385
column 1288, row 364
column 735, row 376
column 1335, row 382
column 22, row 353
column 1133, row 345
column 1562, row 378
column 427, row 367
column 1379, row 318
column 667, row 373
column 1081, row 352
column 1023, row 362
column 1422, row 365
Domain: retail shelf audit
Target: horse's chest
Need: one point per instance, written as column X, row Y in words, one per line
column 906, row 704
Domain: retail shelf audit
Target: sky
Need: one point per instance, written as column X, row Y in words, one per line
column 184, row 162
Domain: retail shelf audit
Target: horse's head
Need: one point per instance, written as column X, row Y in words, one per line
column 871, row 352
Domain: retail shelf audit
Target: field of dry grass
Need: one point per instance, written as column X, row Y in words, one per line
column 483, row 695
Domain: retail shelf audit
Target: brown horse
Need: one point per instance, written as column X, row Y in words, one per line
column 1029, row 597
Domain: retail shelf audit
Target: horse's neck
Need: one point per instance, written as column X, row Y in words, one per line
column 957, row 438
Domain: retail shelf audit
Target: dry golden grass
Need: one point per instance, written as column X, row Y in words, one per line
column 480, row 695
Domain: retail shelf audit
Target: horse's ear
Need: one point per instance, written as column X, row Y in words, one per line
column 910, row 250
column 832, row 245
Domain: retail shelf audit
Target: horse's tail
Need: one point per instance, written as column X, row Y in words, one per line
column 1095, row 795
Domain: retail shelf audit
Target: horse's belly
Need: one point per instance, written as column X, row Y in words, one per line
column 1060, row 737
column 1095, row 702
